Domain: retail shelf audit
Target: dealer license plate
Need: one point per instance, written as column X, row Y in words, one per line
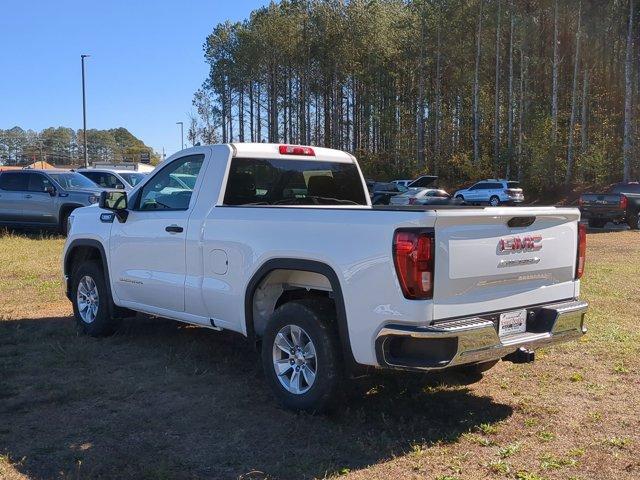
column 512, row 322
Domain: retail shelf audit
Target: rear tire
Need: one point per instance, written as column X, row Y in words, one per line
column 460, row 197
column 92, row 303
column 494, row 201
column 301, row 355
column 64, row 221
column 597, row 223
column 634, row 221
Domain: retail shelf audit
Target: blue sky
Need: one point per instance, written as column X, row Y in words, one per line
column 146, row 62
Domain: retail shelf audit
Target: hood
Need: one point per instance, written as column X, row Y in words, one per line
column 423, row 181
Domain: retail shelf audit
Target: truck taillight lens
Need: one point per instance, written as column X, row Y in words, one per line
column 582, row 249
column 413, row 255
column 623, row 202
column 296, row 150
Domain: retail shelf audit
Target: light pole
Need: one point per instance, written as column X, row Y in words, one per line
column 84, row 115
column 181, row 133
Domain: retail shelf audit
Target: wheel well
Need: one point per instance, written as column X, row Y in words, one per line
column 281, row 286
column 78, row 255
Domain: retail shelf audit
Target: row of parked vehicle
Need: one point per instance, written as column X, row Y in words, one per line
column 423, row 191
column 46, row 197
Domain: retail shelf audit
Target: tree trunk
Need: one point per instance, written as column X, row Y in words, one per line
column 574, row 95
column 438, row 114
column 476, row 91
column 251, row 119
column 259, row 115
column 510, row 97
column 628, row 113
column 241, row 114
column 496, row 118
column 554, row 76
column 521, row 106
column 584, row 144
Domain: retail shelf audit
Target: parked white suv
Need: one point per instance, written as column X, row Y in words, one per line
column 281, row 244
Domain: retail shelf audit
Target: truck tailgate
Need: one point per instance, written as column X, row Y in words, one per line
column 604, row 200
column 482, row 264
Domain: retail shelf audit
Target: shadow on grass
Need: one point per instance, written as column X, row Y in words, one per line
column 163, row 400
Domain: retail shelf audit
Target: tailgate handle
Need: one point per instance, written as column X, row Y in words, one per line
column 519, row 222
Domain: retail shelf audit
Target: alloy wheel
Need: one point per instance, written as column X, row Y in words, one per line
column 294, row 359
column 87, row 299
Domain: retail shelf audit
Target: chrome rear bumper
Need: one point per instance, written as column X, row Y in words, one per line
column 461, row 341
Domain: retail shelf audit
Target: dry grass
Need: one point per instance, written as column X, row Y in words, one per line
column 161, row 400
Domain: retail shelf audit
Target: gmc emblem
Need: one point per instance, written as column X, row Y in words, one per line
column 520, row 244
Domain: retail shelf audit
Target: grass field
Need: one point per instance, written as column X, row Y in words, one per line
column 160, row 400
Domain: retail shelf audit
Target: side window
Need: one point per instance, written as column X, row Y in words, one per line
column 38, row 183
column 112, row 181
column 475, row 187
column 13, row 181
column 163, row 192
column 91, row 176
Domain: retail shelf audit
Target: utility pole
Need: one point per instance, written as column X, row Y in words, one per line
column 84, row 115
column 181, row 134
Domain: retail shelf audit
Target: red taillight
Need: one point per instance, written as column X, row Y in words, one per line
column 296, row 150
column 582, row 249
column 624, row 201
column 581, row 202
column 413, row 254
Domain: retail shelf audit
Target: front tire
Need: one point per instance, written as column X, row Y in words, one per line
column 494, row 201
column 92, row 304
column 301, row 356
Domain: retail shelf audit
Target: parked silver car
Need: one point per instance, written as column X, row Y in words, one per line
column 43, row 198
column 423, row 196
column 116, row 179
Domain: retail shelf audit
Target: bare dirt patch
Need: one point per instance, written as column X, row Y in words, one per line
column 162, row 400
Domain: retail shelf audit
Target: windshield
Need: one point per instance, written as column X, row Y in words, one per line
column 255, row 181
column 73, row 181
column 625, row 188
column 132, row 178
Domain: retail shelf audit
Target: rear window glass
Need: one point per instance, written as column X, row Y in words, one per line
column 626, row 188
column 255, row 181
column 13, row 181
column 513, row 184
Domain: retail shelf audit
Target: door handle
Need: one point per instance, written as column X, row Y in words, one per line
column 27, row 196
column 174, row 229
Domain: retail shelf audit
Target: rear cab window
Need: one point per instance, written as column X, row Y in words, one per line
column 254, row 181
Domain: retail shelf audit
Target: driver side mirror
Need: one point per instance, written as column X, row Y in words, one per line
column 116, row 202
column 51, row 190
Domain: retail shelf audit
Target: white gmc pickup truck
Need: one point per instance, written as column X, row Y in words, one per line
column 281, row 244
